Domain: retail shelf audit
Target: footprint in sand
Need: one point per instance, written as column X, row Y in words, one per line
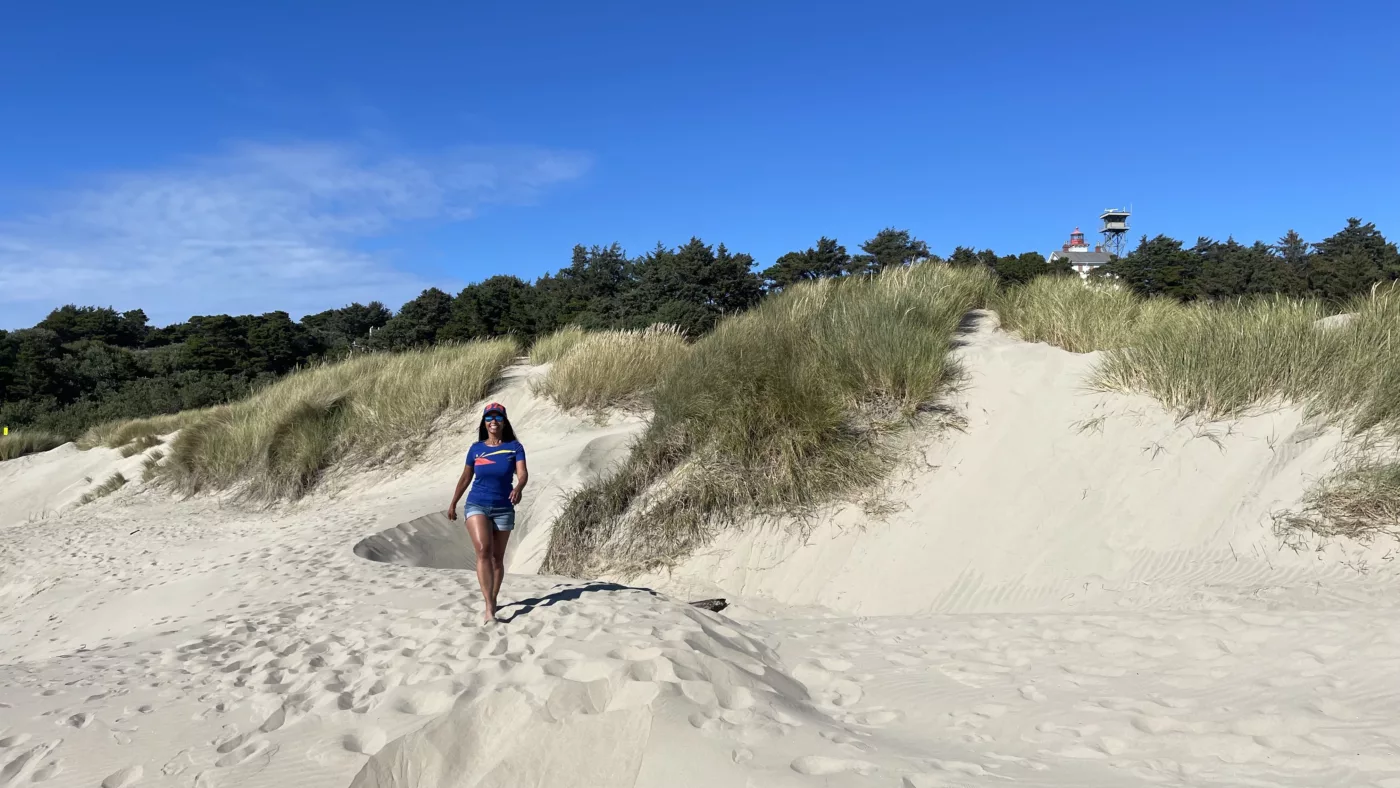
column 48, row 771
column 80, row 720
column 425, row 702
column 366, row 741
column 245, row 753
column 822, row 766
column 124, row 778
column 14, row 772
column 232, row 743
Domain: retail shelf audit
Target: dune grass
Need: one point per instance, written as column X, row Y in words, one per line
column 369, row 409
column 150, row 467
column 18, row 444
column 1360, row 376
column 1360, row 501
column 553, row 347
column 113, row 483
column 1223, row 360
column 140, row 444
column 785, row 407
column 118, row 434
column 1078, row 316
column 613, row 369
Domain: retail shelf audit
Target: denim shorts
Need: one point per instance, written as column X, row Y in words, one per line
column 502, row 516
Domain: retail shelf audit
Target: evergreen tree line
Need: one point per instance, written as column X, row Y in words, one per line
column 81, row 366
column 1343, row 265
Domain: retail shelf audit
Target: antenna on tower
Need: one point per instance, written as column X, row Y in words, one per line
column 1114, row 230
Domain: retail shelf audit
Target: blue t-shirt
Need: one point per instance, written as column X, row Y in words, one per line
column 493, row 468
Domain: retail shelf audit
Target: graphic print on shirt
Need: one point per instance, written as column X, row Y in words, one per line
column 493, row 471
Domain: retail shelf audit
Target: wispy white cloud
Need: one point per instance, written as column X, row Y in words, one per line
column 256, row 228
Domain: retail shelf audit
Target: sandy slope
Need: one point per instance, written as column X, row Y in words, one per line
column 1052, row 497
column 1138, row 629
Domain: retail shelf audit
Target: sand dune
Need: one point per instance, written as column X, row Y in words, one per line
column 1079, row 591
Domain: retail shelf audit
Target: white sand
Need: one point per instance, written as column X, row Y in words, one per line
column 1053, row 608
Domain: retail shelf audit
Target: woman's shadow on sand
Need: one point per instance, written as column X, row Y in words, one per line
column 526, row 606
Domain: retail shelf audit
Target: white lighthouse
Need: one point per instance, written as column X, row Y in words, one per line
column 1081, row 258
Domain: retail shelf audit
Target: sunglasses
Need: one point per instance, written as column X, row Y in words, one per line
column 493, row 417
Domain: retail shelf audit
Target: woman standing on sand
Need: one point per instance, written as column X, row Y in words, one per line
column 490, row 507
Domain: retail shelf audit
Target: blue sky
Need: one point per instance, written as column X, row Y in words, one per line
column 196, row 158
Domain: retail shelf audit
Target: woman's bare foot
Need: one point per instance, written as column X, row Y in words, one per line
column 488, row 616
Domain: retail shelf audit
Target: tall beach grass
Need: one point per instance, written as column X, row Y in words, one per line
column 552, row 347
column 1223, row 359
column 793, row 404
column 18, row 444
column 369, row 409
column 1078, row 316
column 614, row 369
column 119, row 434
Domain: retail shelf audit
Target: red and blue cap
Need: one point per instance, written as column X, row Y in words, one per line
column 494, row 407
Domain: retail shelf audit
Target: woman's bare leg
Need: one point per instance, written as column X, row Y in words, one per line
column 499, row 540
column 480, row 529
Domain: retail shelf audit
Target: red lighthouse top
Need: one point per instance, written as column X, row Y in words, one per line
column 1076, row 242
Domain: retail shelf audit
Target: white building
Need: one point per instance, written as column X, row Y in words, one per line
column 1081, row 258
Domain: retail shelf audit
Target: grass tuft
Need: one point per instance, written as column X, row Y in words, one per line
column 150, row 467
column 554, row 346
column 106, row 488
column 140, row 444
column 614, row 369
column 117, row 434
column 18, row 444
column 1359, row 501
column 369, row 409
column 780, row 409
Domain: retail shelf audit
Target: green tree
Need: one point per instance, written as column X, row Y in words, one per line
column 827, row 259
column 890, row 247
column 1352, row 260
column 277, row 346
column 964, row 257
column 73, row 323
column 1022, row 268
column 34, row 374
column 1225, row 268
column 1159, row 267
column 348, row 324
column 417, row 324
column 498, row 306
column 588, row 293
column 215, row 343
column 94, row 369
column 713, row 279
column 1296, row 253
column 9, row 348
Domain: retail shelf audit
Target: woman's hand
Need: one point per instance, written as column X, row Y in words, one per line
column 515, row 495
column 452, row 512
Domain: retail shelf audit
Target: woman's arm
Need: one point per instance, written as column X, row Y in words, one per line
column 522, row 475
column 457, row 494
